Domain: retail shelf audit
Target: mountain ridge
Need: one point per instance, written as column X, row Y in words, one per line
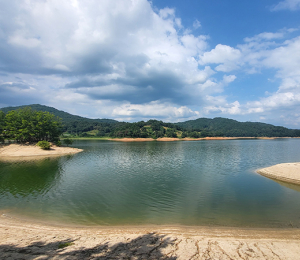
column 217, row 126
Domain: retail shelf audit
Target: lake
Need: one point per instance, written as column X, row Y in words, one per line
column 195, row 183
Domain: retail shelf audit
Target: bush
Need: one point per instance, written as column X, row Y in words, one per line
column 45, row 145
column 68, row 141
column 57, row 142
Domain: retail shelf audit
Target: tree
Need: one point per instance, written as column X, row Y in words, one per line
column 27, row 125
column 68, row 141
column 171, row 132
column 2, row 124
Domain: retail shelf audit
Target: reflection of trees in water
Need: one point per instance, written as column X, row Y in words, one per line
column 30, row 177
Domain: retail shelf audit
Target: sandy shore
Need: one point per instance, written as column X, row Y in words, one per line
column 26, row 240
column 168, row 139
column 21, row 152
column 286, row 172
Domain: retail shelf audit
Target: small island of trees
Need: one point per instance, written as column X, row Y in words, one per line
column 27, row 125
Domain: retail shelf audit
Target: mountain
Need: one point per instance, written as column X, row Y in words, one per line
column 233, row 128
column 71, row 123
column 63, row 115
column 201, row 127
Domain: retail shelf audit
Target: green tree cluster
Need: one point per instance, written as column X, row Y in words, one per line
column 27, row 125
column 2, row 125
column 156, row 129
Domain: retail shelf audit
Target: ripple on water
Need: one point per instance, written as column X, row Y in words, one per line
column 190, row 183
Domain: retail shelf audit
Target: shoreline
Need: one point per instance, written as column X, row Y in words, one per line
column 16, row 152
column 25, row 239
column 171, row 139
column 286, row 172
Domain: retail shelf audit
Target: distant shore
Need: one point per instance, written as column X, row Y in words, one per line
column 30, row 240
column 286, row 172
column 23, row 151
column 169, row 139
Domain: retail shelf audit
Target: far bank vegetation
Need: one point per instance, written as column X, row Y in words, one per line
column 46, row 123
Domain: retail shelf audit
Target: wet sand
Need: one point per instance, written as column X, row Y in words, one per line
column 286, row 172
column 23, row 152
column 21, row 239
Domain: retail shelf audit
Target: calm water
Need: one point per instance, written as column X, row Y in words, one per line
column 188, row 183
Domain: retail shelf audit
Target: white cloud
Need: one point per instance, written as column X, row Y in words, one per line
column 154, row 109
column 292, row 5
column 274, row 102
column 196, row 24
column 265, row 36
column 228, row 78
column 224, row 55
column 220, row 105
column 285, row 58
column 135, row 62
column 167, row 12
column 116, row 51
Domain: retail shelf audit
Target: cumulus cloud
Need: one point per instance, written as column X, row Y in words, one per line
column 154, row 109
column 126, row 59
column 119, row 51
column 224, row 55
column 266, row 51
column 284, row 58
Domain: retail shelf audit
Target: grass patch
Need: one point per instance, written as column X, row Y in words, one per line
column 91, row 138
column 63, row 245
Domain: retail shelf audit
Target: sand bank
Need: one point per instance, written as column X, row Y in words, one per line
column 286, row 172
column 20, row 152
column 27, row 240
column 169, row 139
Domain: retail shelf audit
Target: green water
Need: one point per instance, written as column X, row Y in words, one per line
column 167, row 183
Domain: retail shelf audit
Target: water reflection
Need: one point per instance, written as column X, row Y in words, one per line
column 190, row 183
column 28, row 177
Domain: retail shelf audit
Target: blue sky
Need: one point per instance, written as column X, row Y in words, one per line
column 170, row 60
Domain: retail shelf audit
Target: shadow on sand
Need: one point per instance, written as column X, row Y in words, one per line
column 148, row 246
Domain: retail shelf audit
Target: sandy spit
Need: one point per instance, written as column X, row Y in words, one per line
column 286, row 172
column 27, row 240
column 20, row 152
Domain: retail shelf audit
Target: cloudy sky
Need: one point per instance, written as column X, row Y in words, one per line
column 171, row 60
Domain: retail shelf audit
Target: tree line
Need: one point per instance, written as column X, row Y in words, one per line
column 233, row 128
column 151, row 129
column 30, row 128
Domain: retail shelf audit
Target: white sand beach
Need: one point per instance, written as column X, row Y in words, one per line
column 22, row 239
column 23, row 152
column 286, row 172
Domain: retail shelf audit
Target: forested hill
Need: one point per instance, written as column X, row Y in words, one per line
column 202, row 127
column 63, row 115
column 233, row 128
column 71, row 123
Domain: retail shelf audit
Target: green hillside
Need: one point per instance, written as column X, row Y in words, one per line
column 85, row 127
column 63, row 115
column 233, row 128
column 71, row 123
